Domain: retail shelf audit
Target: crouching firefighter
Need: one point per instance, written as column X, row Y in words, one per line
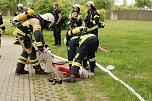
column 24, row 31
column 88, row 44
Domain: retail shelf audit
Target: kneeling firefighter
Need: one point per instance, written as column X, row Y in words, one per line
column 75, row 20
column 33, row 25
column 88, row 44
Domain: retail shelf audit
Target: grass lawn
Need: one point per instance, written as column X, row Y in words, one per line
column 130, row 45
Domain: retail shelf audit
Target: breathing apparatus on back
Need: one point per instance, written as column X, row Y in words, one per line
column 23, row 16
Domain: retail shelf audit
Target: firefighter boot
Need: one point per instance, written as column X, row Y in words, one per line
column 20, row 69
column 70, row 79
column 39, row 70
column 35, row 63
column 92, row 66
column 21, row 63
column 73, row 73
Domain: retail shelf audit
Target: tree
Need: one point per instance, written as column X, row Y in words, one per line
column 142, row 3
column 125, row 2
column 104, row 4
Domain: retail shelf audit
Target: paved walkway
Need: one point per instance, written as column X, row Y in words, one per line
column 25, row 87
column 13, row 87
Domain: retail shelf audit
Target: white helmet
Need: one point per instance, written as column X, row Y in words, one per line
column 76, row 5
column 90, row 2
column 48, row 17
column 19, row 5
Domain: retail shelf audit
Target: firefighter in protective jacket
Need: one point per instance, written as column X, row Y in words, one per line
column 88, row 44
column 75, row 20
column 92, row 21
column 24, row 31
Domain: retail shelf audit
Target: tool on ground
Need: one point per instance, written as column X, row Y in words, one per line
column 55, row 80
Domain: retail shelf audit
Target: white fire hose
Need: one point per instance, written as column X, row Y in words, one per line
column 113, row 76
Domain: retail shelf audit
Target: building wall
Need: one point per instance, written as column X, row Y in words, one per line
column 128, row 15
column 8, row 12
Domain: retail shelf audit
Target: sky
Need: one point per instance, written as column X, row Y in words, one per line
column 119, row 2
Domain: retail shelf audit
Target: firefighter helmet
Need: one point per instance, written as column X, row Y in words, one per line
column 90, row 3
column 76, row 5
column 48, row 17
column 48, row 20
column 20, row 5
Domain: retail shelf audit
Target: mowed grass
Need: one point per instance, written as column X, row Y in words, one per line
column 129, row 44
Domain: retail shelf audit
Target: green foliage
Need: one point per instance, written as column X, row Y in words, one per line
column 83, row 11
column 104, row 4
column 99, row 4
column 124, row 7
column 7, row 4
column 142, row 3
column 65, row 11
column 102, row 13
column 43, row 6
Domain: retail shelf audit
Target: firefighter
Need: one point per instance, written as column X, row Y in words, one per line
column 75, row 17
column 20, row 9
column 75, row 20
column 88, row 44
column 57, row 24
column 2, row 27
column 93, row 23
column 92, row 18
column 33, row 25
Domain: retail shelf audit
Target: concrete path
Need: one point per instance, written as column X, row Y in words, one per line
column 13, row 87
column 25, row 87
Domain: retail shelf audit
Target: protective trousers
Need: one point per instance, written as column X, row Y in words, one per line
column 87, row 48
column 57, row 34
column 30, row 52
column 72, row 47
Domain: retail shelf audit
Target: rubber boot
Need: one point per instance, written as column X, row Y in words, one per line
column 73, row 73
column 20, row 69
column 84, row 64
column 17, row 41
column 70, row 79
column 39, row 70
column 92, row 66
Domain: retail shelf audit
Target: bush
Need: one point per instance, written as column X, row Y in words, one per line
column 6, row 4
column 65, row 11
column 43, row 6
column 83, row 11
column 102, row 13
